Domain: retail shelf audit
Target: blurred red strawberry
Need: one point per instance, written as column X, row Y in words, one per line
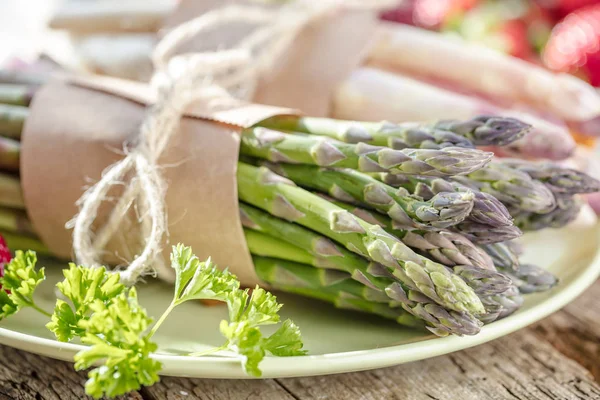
column 574, row 45
column 514, row 34
column 5, row 256
column 560, row 8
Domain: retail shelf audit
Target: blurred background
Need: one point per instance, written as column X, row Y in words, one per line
column 116, row 38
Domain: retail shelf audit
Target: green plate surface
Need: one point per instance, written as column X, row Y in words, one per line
column 338, row 341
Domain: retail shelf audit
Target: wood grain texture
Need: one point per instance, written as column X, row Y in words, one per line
column 520, row 366
column 575, row 330
column 556, row 359
column 25, row 376
column 215, row 389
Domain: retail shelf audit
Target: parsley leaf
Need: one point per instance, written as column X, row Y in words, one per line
column 19, row 283
column 82, row 286
column 199, row 280
column 286, row 341
column 247, row 311
column 116, row 332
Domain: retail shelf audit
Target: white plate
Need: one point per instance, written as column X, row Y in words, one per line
column 338, row 341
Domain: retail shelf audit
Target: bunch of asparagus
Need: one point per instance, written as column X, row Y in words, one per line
column 407, row 221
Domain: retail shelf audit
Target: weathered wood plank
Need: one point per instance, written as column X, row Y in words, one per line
column 25, row 376
column 575, row 331
column 215, row 389
column 516, row 367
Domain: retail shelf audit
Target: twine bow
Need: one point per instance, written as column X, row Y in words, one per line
column 180, row 80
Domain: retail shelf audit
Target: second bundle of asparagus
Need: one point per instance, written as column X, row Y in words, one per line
column 410, row 222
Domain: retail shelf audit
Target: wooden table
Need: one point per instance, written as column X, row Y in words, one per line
column 557, row 358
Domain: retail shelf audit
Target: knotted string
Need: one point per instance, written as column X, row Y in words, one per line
column 178, row 81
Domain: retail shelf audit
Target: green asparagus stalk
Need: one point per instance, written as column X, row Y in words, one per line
column 10, row 154
column 12, row 119
column 269, row 271
column 17, row 77
column 483, row 131
column 266, row 246
column 483, row 281
column 486, row 208
column 560, row 180
column 16, row 95
column 441, row 211
column 297, row 278
column 12, row 196
column 263, row 189
column 566, row 210
column 445, row 247
column 515, row 189
column 276, row 146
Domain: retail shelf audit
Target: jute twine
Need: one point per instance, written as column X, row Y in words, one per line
column 180, row 80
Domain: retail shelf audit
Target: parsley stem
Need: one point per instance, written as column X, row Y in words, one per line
column 35, row 307
column 161, row 319
column 206, row 352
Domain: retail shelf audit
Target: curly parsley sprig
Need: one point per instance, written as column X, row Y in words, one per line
column 106, row 315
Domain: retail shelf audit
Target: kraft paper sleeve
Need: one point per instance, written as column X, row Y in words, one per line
column 307, row 74
column 77, row 129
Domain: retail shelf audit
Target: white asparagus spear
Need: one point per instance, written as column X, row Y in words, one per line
column 484, row 70
column 372, row 94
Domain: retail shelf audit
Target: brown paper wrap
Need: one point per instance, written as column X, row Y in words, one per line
column 307, row 74
column 77, row 129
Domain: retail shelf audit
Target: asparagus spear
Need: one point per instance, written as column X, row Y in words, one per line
column 486, row 208
column 530, row 278
column 448, row 248
column 566, row 210
column 501, row 305
column 297, row 278
column 280, row 197
column 560, row 180
column 486, row 234
column 17, row 95
column 12, row 196
column 503, row 255
column 9, row 154
column 271, row 271
column 276, row 146
column 441, row 211
column 515, row 189
column 484, row 130
column 12, row 119
column 266, row 246
column 19, row 77
column 487, row 130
